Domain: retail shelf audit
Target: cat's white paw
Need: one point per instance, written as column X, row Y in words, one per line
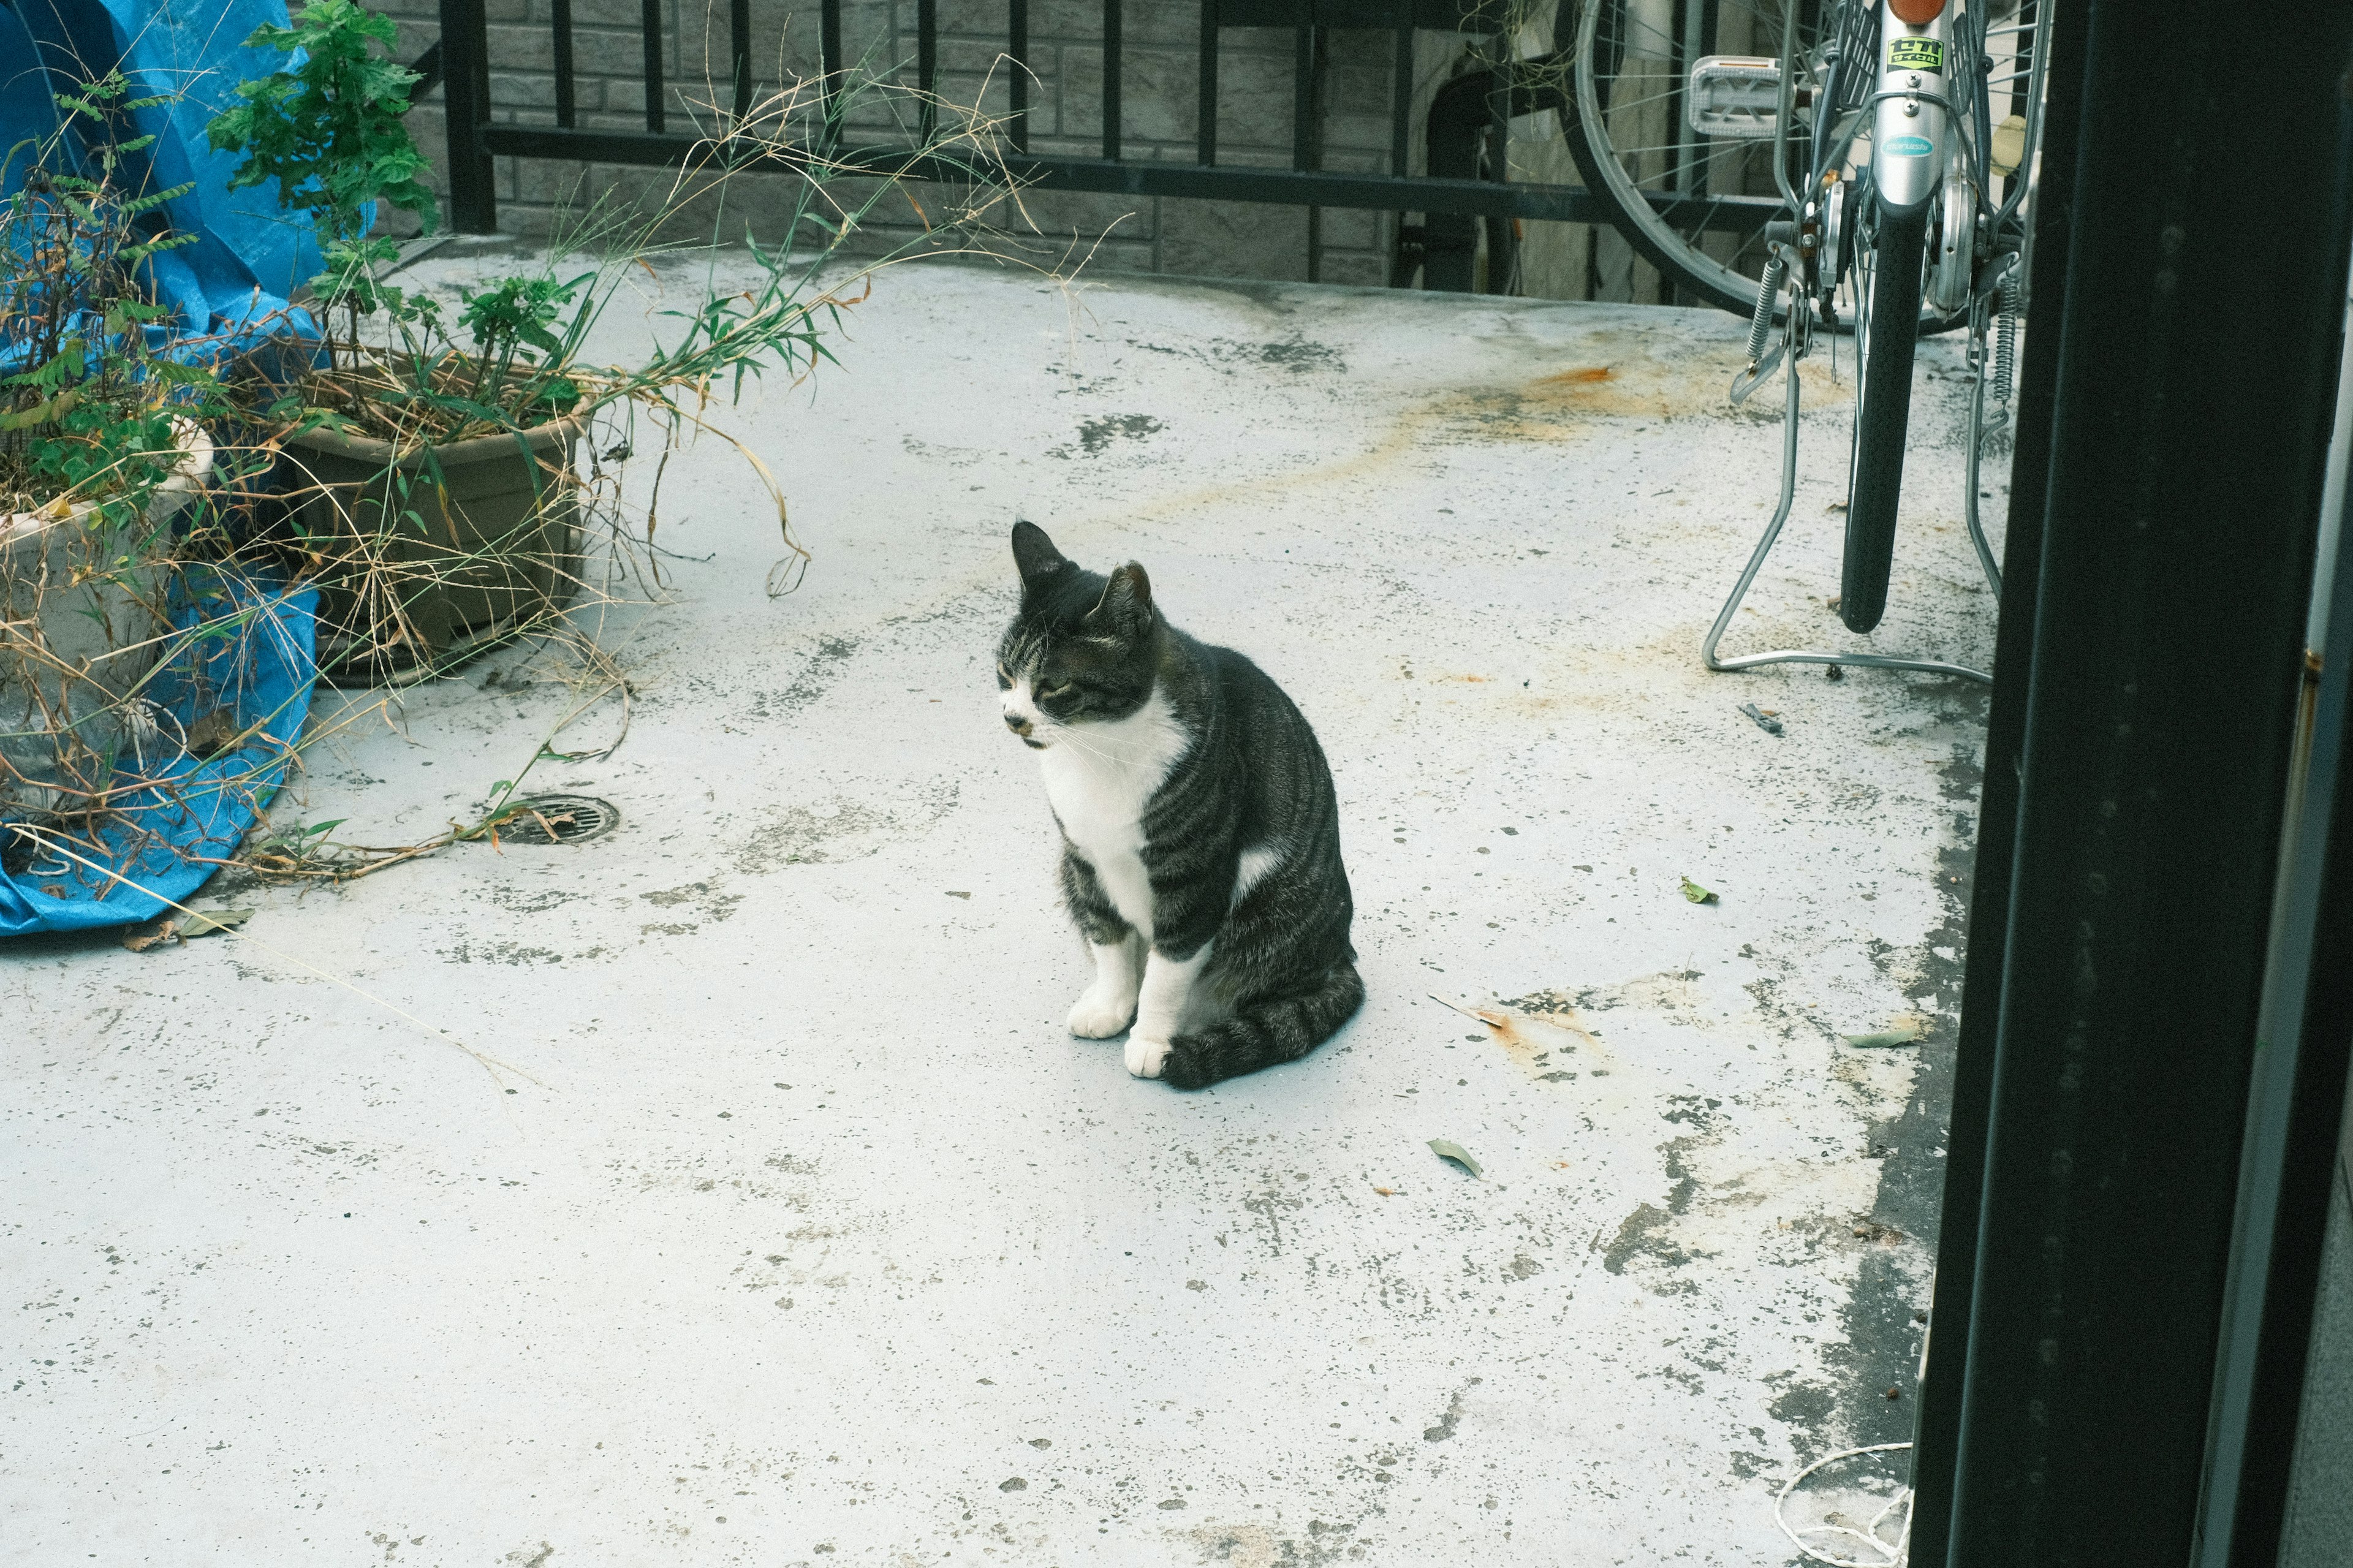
column 1100, row 1015
column 1145, row 1056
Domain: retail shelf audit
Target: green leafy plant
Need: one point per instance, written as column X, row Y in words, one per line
column 89, row 406
column 514, row 315
column 328, row 132
column 418, row 568
column 100, row 409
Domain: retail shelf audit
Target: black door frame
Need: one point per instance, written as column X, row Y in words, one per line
column 2152, row 1067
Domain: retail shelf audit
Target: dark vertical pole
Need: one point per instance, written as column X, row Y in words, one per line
column 1711, row 17
column 739, row 54
column 465, row 105
column 1681, row 22
column 927, row 64
column 1111, row 108
column 1499, row 110
column 1208, row 126
column 566, row 104
column 2295, row 1114
column 1503, row 233
column 1302, row 133
column 1937, row 1419
column 649, row 21
column 1302, row 93
column 2189, row 426
column 1400, row 145
column 828, row 65
column 1017, row 45
column 1401, row 104
column 2293, row 1138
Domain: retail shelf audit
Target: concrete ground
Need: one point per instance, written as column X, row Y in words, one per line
column 799, row 1231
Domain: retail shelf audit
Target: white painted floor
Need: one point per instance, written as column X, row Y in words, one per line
column 801, row 1232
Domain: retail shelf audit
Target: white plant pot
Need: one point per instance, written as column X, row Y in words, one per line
column 72, row 646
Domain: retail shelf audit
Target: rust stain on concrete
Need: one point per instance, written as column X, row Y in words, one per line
column 1552, row 1049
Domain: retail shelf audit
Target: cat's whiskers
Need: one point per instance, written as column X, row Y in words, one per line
column 1102, row 747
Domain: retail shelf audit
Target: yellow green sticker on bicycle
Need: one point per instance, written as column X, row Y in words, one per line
column 1915, row 55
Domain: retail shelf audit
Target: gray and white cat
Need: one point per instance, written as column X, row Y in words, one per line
column 1200, row 836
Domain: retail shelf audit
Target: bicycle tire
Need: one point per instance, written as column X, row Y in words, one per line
column 1604, row 172
column 1883, row 411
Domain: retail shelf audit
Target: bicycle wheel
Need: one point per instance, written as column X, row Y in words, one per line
column 1691, row 207
column 1631, row 140
column 1889, row 327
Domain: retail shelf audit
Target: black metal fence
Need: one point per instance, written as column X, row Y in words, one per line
column 475, row 136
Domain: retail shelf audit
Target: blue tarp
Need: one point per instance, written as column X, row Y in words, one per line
column 249, row 255
column 240, row 644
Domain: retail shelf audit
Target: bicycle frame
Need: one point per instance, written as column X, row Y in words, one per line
column 1919, row 147
column 1918, row 152
column 1911, row 114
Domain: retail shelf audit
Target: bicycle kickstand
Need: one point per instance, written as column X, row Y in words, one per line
column 1792, row 349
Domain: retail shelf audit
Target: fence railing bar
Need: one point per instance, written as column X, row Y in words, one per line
column 475, row 142
column 1207, row 130
column 567, row 100
column 1309, row 135
column 1400, row 144
column 1499, row 110
column 1302, row 93
column 1401, row 106
column 650, row 18
column 428, row 67
column 464, row 99
column 1287, row 187
column 1111, row 68
column 1016, row 46
column 829, row 66
column 739, row 54
column 927, row 65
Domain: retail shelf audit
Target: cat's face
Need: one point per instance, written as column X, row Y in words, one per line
column 1084, row 649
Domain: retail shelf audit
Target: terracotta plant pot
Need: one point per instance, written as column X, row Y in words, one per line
column 415, row 575
column 80, row 625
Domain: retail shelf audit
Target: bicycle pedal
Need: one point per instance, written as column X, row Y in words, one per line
column 1734, row 98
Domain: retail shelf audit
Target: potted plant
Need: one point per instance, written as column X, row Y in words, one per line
column 429, row 483
column 430, row 447
column 102, row 445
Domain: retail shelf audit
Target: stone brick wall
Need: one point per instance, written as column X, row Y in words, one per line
column 1159, row 119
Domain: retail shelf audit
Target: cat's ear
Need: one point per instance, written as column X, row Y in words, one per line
column 1126, row 605
column 1034, row 555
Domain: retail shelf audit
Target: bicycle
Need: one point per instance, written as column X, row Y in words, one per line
column 1885, row 181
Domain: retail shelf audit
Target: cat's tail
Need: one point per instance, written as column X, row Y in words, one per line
column 1276, row 1029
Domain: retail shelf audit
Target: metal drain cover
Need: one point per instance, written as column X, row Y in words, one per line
column 558, row 819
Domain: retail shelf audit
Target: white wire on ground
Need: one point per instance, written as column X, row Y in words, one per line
column 1891, row 1553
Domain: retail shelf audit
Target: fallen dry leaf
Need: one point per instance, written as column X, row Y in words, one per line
column 149, row 934
column 213, row 732
column 210, row 923
column 1905, row 1032
column 1448, row 1149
